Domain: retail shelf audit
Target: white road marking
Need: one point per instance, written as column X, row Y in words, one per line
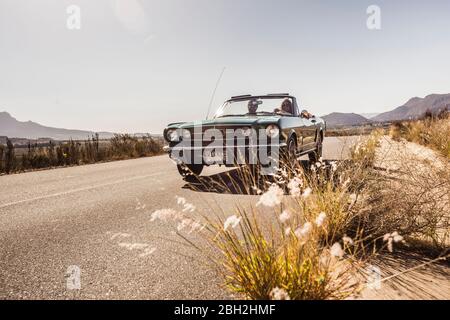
column 79, row 190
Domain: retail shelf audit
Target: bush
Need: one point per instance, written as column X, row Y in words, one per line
column 285, row 255
column 76, row 153
column 2, row 150
column 306, row 246
column 313, row 243
column 432, row 131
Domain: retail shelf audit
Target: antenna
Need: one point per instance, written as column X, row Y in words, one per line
column 214, row 92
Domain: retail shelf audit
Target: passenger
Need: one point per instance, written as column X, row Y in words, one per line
column 286, row 107
column 305, row 114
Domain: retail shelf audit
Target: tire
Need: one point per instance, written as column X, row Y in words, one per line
column 290, row 154
column 190, row 171
column 317, row 153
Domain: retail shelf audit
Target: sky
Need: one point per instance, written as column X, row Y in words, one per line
column 135, row 66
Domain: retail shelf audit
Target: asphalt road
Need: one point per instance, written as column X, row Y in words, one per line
column 97, row 218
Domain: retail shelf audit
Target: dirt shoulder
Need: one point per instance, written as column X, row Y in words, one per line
column 407, row 273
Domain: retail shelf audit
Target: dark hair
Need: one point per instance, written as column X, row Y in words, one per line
column 286, row 106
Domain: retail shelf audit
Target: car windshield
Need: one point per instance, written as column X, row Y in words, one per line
column 256, row 106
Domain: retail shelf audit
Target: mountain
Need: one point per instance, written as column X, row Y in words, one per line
column 13, row 128
column 337, row 119
column 369, row 115
column 416, row 107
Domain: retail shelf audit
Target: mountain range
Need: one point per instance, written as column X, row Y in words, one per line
column 412, row 109
column 11, row 127
column 416, row 107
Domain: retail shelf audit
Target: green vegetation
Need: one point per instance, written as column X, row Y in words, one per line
column 92, row 150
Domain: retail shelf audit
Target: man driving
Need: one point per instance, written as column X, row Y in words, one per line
column 252, row 106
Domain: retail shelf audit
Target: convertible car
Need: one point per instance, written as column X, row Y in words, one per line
column 252, row 130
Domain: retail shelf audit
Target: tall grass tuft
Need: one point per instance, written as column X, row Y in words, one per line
column 256, row 260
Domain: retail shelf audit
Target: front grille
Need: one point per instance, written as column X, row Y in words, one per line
column 205, row 138
column 230, row 149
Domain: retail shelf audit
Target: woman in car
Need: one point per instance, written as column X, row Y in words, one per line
column 286, row 107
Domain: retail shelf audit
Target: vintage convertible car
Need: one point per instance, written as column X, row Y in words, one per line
column 247, row 130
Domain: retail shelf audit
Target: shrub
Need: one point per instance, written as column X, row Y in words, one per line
column 312, row 243
column 280, row 256
column 9, row 157
column 307, row 245
column 432, row 131
column 76, row 152
column 1, row 157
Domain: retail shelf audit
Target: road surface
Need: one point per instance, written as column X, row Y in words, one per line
column 95, row 219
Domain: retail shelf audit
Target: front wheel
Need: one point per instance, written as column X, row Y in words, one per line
column 190, row 171
column 289, row 155
column 317, row 153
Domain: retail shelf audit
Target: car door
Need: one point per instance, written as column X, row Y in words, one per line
column 308, row 131
column 291, row 124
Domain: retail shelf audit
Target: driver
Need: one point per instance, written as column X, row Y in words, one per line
column 252, row 106
column 286, row 107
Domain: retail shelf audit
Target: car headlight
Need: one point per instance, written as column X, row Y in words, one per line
column 246, row 131
column 186, row 134
column 272, row 131
column 172, row 135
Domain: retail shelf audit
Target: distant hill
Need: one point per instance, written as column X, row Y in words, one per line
column 416, row 107
column 369, row 115
column 13, row 128
column 337, row 119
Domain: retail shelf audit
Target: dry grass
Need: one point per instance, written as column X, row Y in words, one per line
column 433, row 132
column 411, row 195
column 253, row 262
column 302, row 246
column 92, row 150
column 276, row 251
column 355, row 131
column 313, row 242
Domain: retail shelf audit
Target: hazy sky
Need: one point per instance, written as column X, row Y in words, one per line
column 135, row 66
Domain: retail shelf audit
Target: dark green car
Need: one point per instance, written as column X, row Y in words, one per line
column 247, row 130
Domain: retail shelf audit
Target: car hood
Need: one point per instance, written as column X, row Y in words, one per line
column 250, row 121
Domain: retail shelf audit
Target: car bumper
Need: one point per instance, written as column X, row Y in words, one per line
column 225, row 155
